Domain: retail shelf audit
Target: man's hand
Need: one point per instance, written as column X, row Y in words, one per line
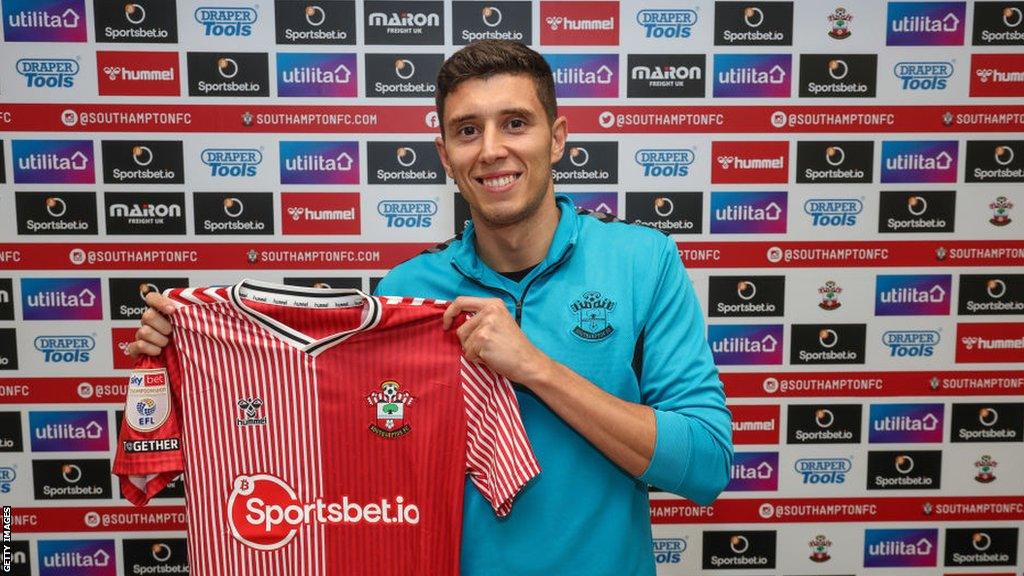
column 152, row 337
column 491, row 336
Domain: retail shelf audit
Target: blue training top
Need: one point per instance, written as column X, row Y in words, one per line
column 612, row 302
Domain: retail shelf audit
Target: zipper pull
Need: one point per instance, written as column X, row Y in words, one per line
column 519, row 312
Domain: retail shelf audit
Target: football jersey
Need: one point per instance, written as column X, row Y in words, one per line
column 320, row 432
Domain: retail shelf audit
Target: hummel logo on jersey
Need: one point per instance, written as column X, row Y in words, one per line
column 390, row 403
column 250, row 407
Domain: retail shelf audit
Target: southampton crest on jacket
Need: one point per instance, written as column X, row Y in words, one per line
column 592, row 311
column 390, row 403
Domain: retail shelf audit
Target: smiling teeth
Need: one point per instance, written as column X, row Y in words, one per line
column 502, row 181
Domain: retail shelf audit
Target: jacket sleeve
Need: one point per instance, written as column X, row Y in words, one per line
column 693, row 448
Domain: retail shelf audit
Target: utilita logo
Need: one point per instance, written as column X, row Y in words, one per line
column 998, row 23
column 919, row 161
column 986, row 294
column 900, row 548
column 299, row 22
column 232, row 162
column 48, row 72
column 603, row 202
column 834, row 162
column 69, row 431
column 265, row 513
column 994, row 161
column 923, row 76
column 78, row 557
column 926, row 23
column 990, row 342
column 53, row 161
column 44, row 21
column 585, row 75
column 667, row 23
column 912, row 295
column 739, row 344
column 319, row 162
column 223, row 21
column 576, row 24
column 748, row 212
column 754, row 471
column 1002, row 422
column 322, row 75
column 139, row 21
column 318, row 213
column 911, row 423
column 997, row 75
column 137, row 73
column 752, row 75
column 61, row 299
column 753, row 162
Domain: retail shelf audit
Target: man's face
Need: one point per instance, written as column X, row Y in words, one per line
column 499, row 147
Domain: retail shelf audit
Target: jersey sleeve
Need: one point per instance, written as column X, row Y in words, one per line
column 499, row 458
column 149, row 454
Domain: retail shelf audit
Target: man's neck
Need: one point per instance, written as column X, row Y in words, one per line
column 520, row 245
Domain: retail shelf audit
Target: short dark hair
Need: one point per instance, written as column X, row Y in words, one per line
column 486, row 58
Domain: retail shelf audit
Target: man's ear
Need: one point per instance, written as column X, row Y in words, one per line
column 559, row 134
column 443, row 154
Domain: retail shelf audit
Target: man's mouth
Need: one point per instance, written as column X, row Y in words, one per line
column 500, row 180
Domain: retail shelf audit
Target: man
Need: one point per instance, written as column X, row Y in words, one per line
column 594, row 319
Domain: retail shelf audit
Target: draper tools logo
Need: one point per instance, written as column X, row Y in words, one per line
column 998, row 24
column 588, row 163
column 48, row 72
column 665, row 76
column 234, row 212
column 391, row 22
column 900, row 548
column 834, row 162
column 669, row 550
column 64, row 213
column 926, row 23
column 61, row 299
column 990, row 342
column 908, row 212
column 53, row 161
column 670, row 212
column 585, row 75
column 748, row 212
column 304, row 22
column 664, row 163
column 71, row 479
column 923, row 76
column 407, row 213
column 145, row 212
column 232, row 162
column 300, row 74
column 892, row 423
column 911, row 343
column 994, row 161
column 736, row 344
column 319, row 162
column 984, row 294
column 739, row 550
column 228, row 74
column 668, row 23
column 994, row 422
column 912, row 295
column 905, row 470
column 65, row 349
column 752, row 75
column 143, row 162
column 838, row 75
column 44, row 20
column 221, row 21
column 398, row 162
column 754, row 471
column 148, row 21
column 78, row 431
column 753, row 23
column 79, row 557
column 824, row 424
column 155, row 556
column 401, row 75
column 472, row 21
column 919, row 161
column 121, row 73
column 840, row 212
column 824, row 471
column 749, row 162
column 318, row 213
column 827, row 344
column 742, row 296
column 981, row 546
column 997, row 75
column 575, row 23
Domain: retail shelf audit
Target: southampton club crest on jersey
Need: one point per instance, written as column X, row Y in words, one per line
column 390, row 404
column 592, row 313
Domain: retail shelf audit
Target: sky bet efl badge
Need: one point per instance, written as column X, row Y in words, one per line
column 148, row 401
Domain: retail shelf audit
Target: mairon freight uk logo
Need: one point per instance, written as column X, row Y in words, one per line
column 472, row 21
column 834, row 162
column 53, row 213
column 588, row 163
column 44, row 21
column 754, row 471
column 823, row 424
column 739, row 550
column 316, row 162
column 155, row 556
column 145, row 212
column 389, row 22
column 749, row 162
column 585, row 75
column 752, row 75
column 748, row 212
column 79, row 557
column 997, row 75
column 838, row 75
column 885, row 548
column 232, row 162
column 907, row 161
column 233, row 212
column 746, row 296
column 998, row 24
column 579, row 24
column 71, row 479
column 53, row 161
column 670, row 212
column 665, row 75
column 923, row 76
column 993, row 422
column 994, row 161
column 912, row 295
column 401, row 75
column 905, row 470
column 228, row 74
column 907, row 423
column 48, row 72
column 667, row 23
column 61, row 299
column 924, row 211
column 137, row 73
column 138, row 21
column 981, row 546
column 143, row 162
column 986, row 294
column 741, row 344
column 398, row 162
column 926, row 23
column 753, row 23
column 226, row 22
column 827, row 344
column 78, row 431
column 990, row 342
column 319, row 213
column 316, row 74
column 303, row 22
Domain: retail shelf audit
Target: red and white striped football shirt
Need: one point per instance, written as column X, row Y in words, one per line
column 320, row 431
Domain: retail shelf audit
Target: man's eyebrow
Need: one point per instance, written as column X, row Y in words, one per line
column 505, row 112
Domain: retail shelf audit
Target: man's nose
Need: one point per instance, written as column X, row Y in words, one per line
column 493, row 145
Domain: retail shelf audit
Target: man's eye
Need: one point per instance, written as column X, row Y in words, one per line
column 467, row 131
column 516, row 123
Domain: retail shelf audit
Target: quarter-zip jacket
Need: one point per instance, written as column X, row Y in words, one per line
column 612, row 302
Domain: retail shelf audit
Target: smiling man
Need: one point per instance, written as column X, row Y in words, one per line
column 594, row 319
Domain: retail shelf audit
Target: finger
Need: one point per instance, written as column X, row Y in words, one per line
column 147, row 334
column 464, row 304
column 157, row 321
column 141, row 348
column 158, row 301
column 469, row 326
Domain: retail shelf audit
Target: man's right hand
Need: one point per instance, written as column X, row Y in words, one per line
column 152, row 337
